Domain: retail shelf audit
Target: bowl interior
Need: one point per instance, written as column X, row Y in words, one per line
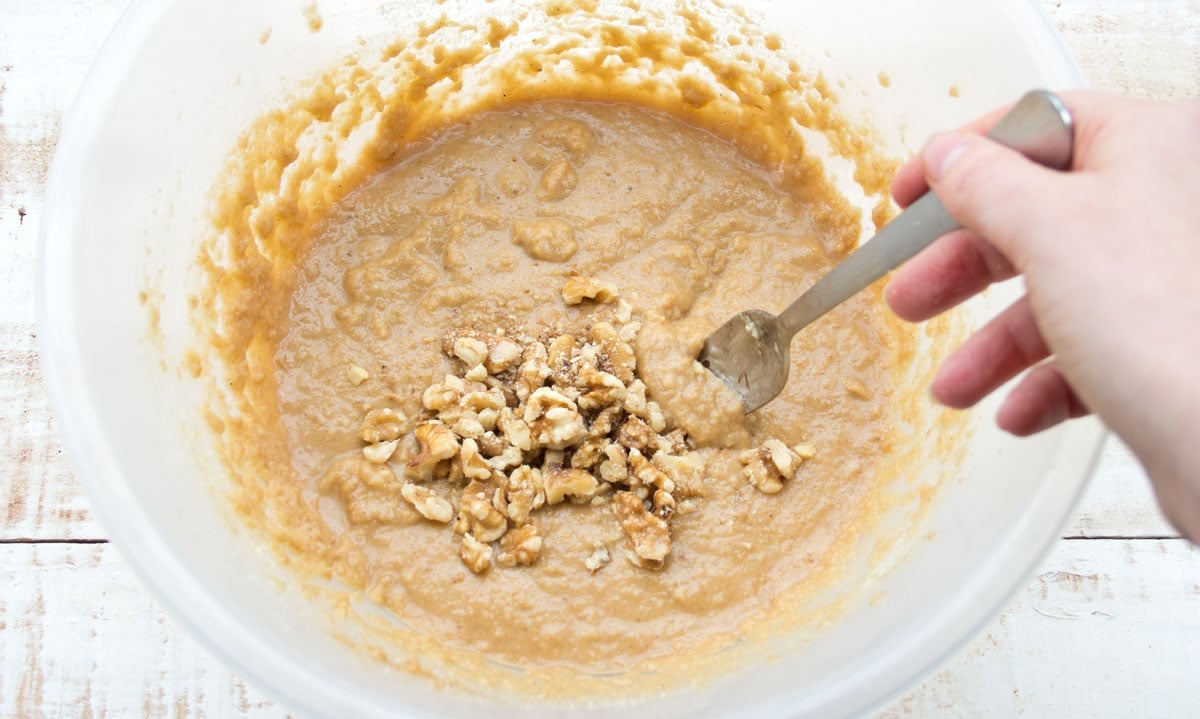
column 170, row 93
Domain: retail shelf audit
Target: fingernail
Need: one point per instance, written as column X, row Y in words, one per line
column 940, row 152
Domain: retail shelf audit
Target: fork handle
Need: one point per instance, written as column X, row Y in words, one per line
column 1039, row 126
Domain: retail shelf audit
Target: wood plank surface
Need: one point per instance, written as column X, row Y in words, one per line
column 97, row 643
column 1106, row 628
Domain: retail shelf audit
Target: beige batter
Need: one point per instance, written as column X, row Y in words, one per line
column 334, row 276
column 691, row 233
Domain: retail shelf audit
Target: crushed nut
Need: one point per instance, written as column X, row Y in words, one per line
column 525, row 493
column 428, row 505
column 577, row 289
column 597, row 559
column 437, row 444
column 647, row 533
column 382, row 425
column 520, row 547
column 768, row 466
column 470, row 350
column 560, row 482
column 476, row 515
column 357, row 375
column 474, row 466
column 805, row 451
column 504, row 355
column 475, row 554
column 553, row 419
column 380, row 452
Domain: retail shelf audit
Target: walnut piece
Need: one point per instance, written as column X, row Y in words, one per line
column 380, row 452
column 553, row 419
column 382, row 425
column 768, row 466
column 520, row 547
column 437, row 443
column 525, row 493
column 560, row 482
column 475, row 554
column 577, row 289
column 647, row 533
column 357, row 375
column 597, row 559
column 476, row 515
column 428, row 505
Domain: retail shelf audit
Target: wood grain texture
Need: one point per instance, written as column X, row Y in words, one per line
column 1105, row 629
column 1119, row 501
column 45, row 50
column 1144, row 48
column 80, row 638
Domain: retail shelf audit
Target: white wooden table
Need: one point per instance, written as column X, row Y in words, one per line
column 1108, row 627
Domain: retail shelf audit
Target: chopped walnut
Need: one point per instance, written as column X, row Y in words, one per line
column 687, row 471
column 614, row 468
column 382, row 425
column 664, row 503
column 619, row 357
column 766, row 467
column 558, row 358
column 474, row 466
column 515, row 430
column 534, row 370
column 805, row 451
column 520, row 547
column 437, row 443
column 380, row 452
column 603, row 389
column 475, row 554
column 507, row 459
column 437, row 397
column 635, row 433
column 563, row 482
column 781, row 458
column 476, row 515
column 589, row 454
column 553, row 419
column 597, row 559
column 525, row 493
column 470, row 350
column 577, row 289
column 503, row 356
column 357, row 375
column 429, row 505
column 647, row 533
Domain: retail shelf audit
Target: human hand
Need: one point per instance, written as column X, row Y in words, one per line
column 1109, row 253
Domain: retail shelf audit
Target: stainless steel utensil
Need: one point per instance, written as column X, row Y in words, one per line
column 750, row 352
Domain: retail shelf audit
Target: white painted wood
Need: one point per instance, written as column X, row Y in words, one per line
column 80, row 638
column 1119, row 501
column 45, row 50
column 1145, row 48
column 1106, row 628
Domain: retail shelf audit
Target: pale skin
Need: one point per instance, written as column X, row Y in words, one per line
column 1110, row 256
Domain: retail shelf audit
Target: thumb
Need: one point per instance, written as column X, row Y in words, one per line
column 992, row 190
